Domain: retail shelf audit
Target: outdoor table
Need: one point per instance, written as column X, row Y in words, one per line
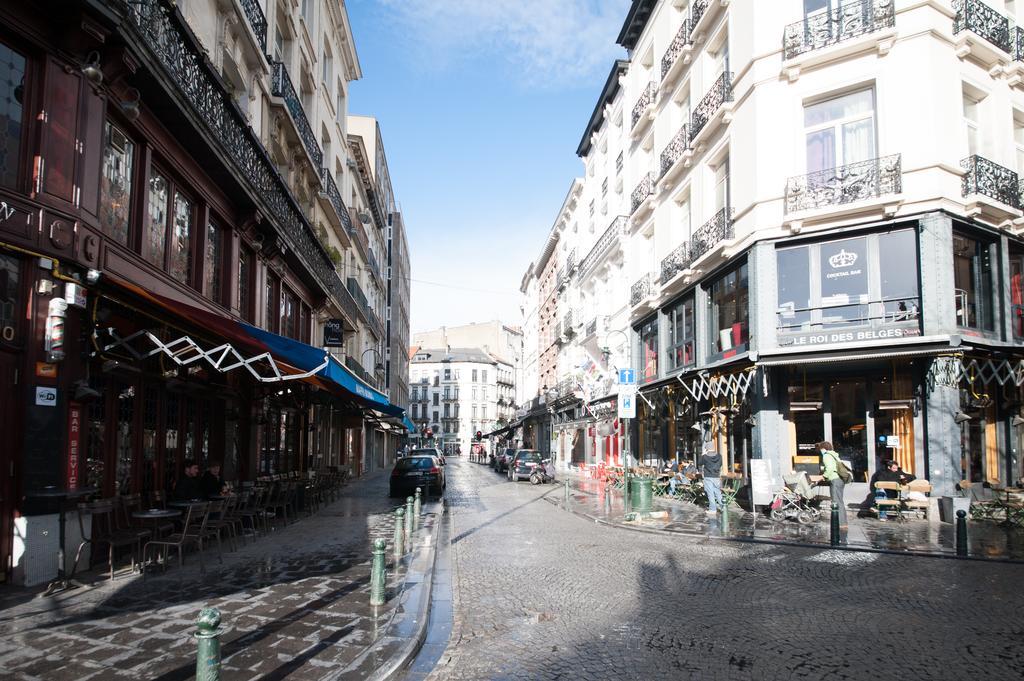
column 63, row 581
column 186, row 503
column 1008, row 507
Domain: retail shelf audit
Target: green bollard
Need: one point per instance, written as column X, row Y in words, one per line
column 416, row 508
column 834, row 536
column 208, row 654
column 409, row 528
column 961, row 533
column 399, row 533
column 377, row 573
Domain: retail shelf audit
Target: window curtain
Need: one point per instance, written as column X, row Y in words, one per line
column 903, row 424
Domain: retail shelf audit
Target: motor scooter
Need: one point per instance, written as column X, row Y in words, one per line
column 544, row 472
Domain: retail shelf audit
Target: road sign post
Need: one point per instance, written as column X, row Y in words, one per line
column 627, row 411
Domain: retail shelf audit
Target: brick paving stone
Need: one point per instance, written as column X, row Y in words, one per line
column 542, row 594
column 296, row 603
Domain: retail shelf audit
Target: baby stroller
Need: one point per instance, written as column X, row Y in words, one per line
column 796, row 501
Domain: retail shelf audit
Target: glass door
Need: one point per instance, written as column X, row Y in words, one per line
column 849, row 426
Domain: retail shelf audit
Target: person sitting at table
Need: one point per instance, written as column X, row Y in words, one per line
column 188, row 486
column 891, row 472
column 688, row 470
column 212, row 484
column 672, row 470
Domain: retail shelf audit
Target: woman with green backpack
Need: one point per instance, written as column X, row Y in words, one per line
column 837, row 474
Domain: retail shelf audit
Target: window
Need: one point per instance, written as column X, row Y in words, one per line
column 270, row 318
column 681, row 351
column 474, row 392
column 484, row 377
column 279, row 45
column 483, row 411
column 447, row 411
column 415, row 408
column 436, row 402
column 180, row 257
column 289, row 314
column 155, row 239
column 972, row 281
column 245, row 271
column 474, row 377
column 474, row 411
column 447, row 376
column 794, row 294
column 1018, row 141
column 12, row 94
column 722, row 185
column 897, row 259
column 176, row 256
column 307, row 12
column 116, row 183
column 211, row 262
column 971, row 118
column 328, row 67
column 844, row 282
column 10, row 298
column 840, row 131
column 435, row 420
column 728, row 312
column 1017, row 294
column 649, row 350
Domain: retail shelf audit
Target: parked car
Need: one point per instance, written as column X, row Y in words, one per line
column 501, row 463
column 411, row 472
column 522, row 465
column 429, row 451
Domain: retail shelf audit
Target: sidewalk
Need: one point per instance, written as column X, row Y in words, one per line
column 295, row 603
column 917, row 537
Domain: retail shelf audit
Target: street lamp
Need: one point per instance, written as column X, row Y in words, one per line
column 378, row 368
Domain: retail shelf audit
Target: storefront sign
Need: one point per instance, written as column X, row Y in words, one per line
column 877, row 335
column 333, row 332
column 762, row 481
column 627, row 406
column 892, row 441
column 46, row 397
column 74, row 442
column 46, row 370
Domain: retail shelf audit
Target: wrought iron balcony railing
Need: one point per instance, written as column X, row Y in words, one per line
column 357, row 292
column 711, row 233
column 675, row 262
column 604, row 188
column 281, row 86
column 592, row 327
column 371, row 259
column 641, row 290
column 674, row 150
column 257, row 21
column 334, row 196
column 570, row 260
column 604, row 243
column 642, row 191
column 990, row 179
column 719, row 94
column 645, row 100
column 850, row 20
column 697, row 10
column 675, row 48
column 979, row 18
column 591, row 207
column 373, row 321
column 845, row 184
column 561, row 278
column 158, row 35
column 618, row 163
column 1017, row 38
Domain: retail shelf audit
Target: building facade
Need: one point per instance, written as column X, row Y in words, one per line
column 174, row 235
column 801, row 220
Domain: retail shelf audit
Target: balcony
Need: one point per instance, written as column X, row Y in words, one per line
column 848, row 184
column 604, row 188
column 675, row 262
column 677, row 54
column 357, row 293
column 257, row 21
column 675, row 151
column 641, row 291
column 975, row 18
column 604, row 244
column 715, row 107
column 698, row 8
column 642, row 108
column 1001, row 186
column 281, row 86
column 618, row 163
column 570, row 261
column 356, row 368
column 337, row 214
column 591, row 329
column 371, row 259
column 641, row 193
column 824, row 29
column 561, row 278
column 712, row 233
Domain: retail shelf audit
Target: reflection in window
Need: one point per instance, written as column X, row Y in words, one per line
column 211, row 262
column 289, row 314
column 649, row 350
column 245, row 258
column 897, row 251
column 116, row 183
column 840, row 131
column 155, row 239
column 972, row 281
column 10, row 285
column 12, row 93
column 844, row 282
column 1016, row 295
column 181, row 240
column 794, row 289
column 729, row 312
column 681, row 335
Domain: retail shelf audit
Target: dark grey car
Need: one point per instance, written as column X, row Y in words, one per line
column 522, row 465
column 411, row 472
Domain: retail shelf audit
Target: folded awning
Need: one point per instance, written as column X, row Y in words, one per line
column 266, row 356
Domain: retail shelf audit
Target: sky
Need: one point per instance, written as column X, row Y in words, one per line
column 481, row 104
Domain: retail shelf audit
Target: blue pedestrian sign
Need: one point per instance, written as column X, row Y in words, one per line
column 627, row 377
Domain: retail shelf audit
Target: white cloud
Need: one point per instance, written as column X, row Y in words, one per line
column 544, row 42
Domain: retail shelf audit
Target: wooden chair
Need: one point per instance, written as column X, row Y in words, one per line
column 888, row 504
column 917, row 505
column 192, row 527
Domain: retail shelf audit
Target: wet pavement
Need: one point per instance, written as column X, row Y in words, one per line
column 540, row 593
column 295, row 602
column 986, row 539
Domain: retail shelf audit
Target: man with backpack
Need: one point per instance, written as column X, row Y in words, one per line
column 837, row 475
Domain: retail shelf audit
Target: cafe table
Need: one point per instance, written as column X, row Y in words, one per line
column 156, row 515
column 64, row 581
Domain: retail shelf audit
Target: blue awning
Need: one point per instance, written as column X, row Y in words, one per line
column 409, row 425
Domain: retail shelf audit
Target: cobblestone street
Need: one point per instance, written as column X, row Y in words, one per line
column 541, row 593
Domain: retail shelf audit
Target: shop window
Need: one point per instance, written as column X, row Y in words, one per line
column 180, row 257
column 728, row 302
column 270, row 318
column 245, row 272
column 167, row 216
column 794, row 309
column 172, row 441
column 972, row 281
column 10, row 299
column 844, row 282
column 12, row 96
column 96, row 445
column 124, row 445
column 289, row 314
column 649, row 350
column 899, row 287
column 212, row 258
column 150, row 413
column 155, row 238
column 840, row 131
column 116, row 183
column 681, row 335
column 1016, row 294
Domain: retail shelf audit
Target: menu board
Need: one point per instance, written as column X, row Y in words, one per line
column 762, row 481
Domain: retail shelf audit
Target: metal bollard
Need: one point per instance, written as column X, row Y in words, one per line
column 409, row 529
column 208, row 633
column 961, row 533
column 834, row 530
column 399, row 533
column 377, row 573
column 416, row 510
column 567, row 491
column 608, row 499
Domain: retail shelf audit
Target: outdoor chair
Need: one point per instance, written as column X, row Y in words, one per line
column 730, row 488
column 102, row 531
column 980, row 508
column 193, row 525
column 233, row 515
column 252, row 510
column 214, row 525
column 277, row 505
column 886, row 504
column 917, row 505
column 124, row 506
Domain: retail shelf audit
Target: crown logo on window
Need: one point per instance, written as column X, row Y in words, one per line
column 842, row 259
